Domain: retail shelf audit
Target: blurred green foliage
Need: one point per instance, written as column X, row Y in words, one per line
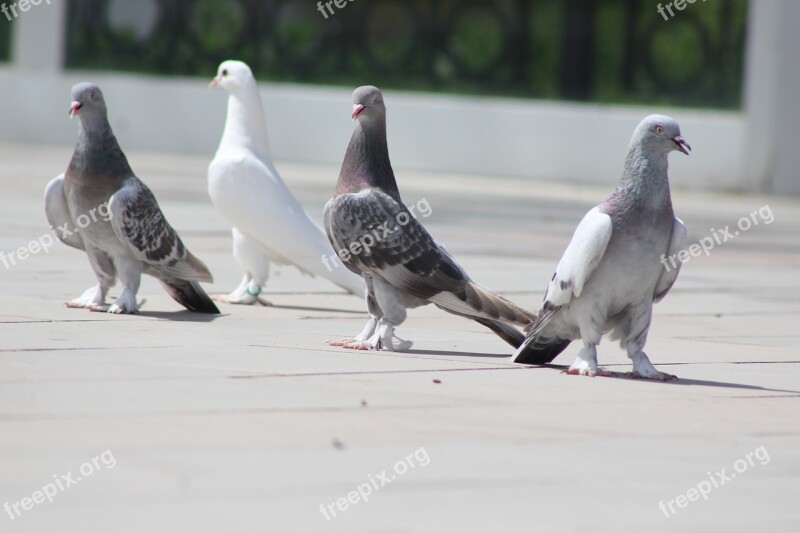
column 5, row 39
column 618, row 51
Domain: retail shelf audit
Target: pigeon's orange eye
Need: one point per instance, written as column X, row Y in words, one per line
column 659, row 130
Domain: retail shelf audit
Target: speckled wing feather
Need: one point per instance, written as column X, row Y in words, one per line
column 138, row 222
column 391, row 243
column 396, row 247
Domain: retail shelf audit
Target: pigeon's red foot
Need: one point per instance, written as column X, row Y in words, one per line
column 364, row 346
column 351, row 344
column 339, row 342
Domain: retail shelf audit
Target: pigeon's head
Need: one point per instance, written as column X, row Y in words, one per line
column 661, row 134
column 87, row 101
column 368, row 104
column 232, row 76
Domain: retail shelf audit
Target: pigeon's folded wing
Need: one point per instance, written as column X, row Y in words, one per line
column 677, row 242
column 138, row 222
column 57, row 210
column 581, row 257
column 381, row 237
column 251, row 195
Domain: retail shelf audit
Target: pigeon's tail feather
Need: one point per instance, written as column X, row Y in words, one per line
column 540, row 348
column 537, row 351
column 495, row 307
column 508, row 333
column 476, row 302
column 190, row 295
column 201, row 270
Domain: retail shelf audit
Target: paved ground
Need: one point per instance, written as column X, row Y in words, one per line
column 249, row 422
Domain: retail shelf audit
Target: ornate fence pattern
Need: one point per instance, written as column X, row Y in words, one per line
column 586, row 50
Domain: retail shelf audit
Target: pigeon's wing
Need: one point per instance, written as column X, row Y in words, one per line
column 677, row 242
column 375, row 234
column 251, row 195
column 57, row 210
column 139, row 223
column 581, row 257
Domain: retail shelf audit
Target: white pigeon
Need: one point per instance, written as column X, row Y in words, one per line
column 269, row 224
column 614, row 269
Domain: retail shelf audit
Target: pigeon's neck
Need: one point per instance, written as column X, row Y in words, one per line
column 245, row 125
column 366, row 163
column 645, row 182
column 97, row 154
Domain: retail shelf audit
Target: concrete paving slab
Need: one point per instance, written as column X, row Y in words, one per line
column 250, row 422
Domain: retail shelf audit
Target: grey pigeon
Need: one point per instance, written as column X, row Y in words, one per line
column 614, row 268
column 376, row 236
column 132, row 237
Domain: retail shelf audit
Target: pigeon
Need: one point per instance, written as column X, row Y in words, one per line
column 614, row 268
column 130, row 236
column 376, row 236
column 269, row 224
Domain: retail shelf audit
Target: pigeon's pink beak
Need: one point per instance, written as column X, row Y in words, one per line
column 357, row 110
column 214, row 83
column 74, row 108
column 682, row 145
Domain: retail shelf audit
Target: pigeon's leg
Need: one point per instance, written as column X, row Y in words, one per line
column 247, row 293
column 360, row 341
column 93, row 298
column 644, row 369
column 585, row 363
column 251, row 256
column 634, row 344
column 130, row 275
column 385, row 339
column 393, row 304
column 378, row 334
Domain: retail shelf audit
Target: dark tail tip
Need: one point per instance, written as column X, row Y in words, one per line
column 535, row 352
column 190, row 295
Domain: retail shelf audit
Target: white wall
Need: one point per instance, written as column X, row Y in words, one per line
column 441, row 133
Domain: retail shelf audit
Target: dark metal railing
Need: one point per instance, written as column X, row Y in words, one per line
column 5, row 39
column 586, row 50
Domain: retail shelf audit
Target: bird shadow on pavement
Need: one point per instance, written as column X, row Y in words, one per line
column 611, row 374
column 679, row 381
column 318, row 309
column 721, row 384
column 460, row 354
column 181, row 316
